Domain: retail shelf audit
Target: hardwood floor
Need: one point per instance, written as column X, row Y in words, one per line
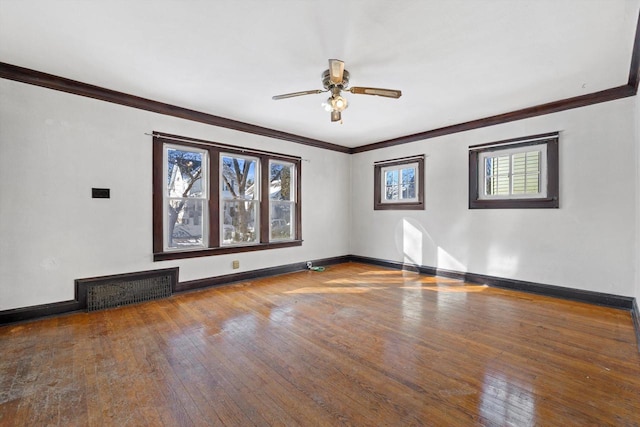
column 354, row 345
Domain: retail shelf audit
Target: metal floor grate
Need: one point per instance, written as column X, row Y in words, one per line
column 118, row 293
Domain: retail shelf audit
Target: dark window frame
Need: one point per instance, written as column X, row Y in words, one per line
column 378, row 204
column 214, row 244
column 552, row 199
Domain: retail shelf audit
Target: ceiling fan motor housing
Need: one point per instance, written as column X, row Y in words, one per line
column 328, row 85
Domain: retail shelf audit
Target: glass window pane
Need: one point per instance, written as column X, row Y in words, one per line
column 184, row 173
column 281, row 181
column 502, row 165
column 409, row 191
column 497, row 165
column 489, row 186
column 519, row 184
column 532, row 184
column 391, row 177
column 239, row 222
column 488, row 167
column 502, row 185
column 533, row 161
column 185, row 223
column 281, row 220
column 497, row 186
column 391, row 192
column 408, row 175
column 408, row 183
column 238, row 178
column 519, row 163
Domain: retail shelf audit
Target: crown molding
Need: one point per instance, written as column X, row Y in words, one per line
column 538, row 110
column 38, row 78
column 49, row 81
column 629, row 89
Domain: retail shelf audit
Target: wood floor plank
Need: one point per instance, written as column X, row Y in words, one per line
column 354, row 345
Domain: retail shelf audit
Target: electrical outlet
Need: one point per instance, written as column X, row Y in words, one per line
column 309, row 264
column 235, row 264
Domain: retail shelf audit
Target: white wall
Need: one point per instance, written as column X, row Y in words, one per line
column 54, row 147
column 588, row 243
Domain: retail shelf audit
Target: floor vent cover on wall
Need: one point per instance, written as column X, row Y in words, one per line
column 125, row 289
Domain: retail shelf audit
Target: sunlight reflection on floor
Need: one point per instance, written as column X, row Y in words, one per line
column 334, row 290
column 389, row 280
column 445, row 288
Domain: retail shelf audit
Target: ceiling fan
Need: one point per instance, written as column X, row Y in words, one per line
column 336, row 80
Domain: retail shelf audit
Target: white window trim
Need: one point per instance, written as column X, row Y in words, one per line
column 399, row 168
column 542, row 148
column 205, row 198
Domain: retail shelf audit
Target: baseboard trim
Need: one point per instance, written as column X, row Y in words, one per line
column 608, row 300
column 228, row 279
column 635, row 315
column 38, row 311
column 65, row 307
column 35, row 312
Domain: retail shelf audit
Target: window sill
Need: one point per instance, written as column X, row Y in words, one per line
column 166, row 256
column 398, row 206
column 548, row 203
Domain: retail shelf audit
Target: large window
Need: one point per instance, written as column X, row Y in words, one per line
column 212, row 198
column 519, row 173
column 399, row 184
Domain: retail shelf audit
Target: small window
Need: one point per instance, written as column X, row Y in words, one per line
column 399, row 184
column 519, row 173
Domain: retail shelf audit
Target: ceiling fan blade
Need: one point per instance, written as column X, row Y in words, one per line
column 292, row 94
column 388, row 93
column 336, row 70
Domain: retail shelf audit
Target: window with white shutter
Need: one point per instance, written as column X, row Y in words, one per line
column 519, row 173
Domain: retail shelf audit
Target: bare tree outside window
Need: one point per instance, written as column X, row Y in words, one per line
column 186, row 197
column 211, row 198
column 281, row 200
column 240, row 199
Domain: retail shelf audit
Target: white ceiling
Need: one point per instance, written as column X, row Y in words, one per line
column 455, row 60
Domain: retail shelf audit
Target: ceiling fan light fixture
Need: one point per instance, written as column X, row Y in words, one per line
column 338, row 103
column 336, row 80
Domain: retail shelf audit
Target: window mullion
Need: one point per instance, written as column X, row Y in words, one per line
column 214, row 198
column 264, row 199
column 511, row 160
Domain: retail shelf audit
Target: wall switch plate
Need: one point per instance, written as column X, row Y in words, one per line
column 100, row 193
